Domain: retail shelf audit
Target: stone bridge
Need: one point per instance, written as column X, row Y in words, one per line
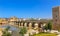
column 28, row 24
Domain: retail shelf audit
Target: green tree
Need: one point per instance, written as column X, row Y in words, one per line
column 5, row 32
column 49, row 25
column 23, row 31
column 8, row 27
column 46, row 27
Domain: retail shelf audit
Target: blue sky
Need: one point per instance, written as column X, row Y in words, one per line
column 27, row 8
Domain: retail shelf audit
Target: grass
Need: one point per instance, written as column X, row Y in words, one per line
column 45, row 34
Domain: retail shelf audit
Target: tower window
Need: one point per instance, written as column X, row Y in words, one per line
column 56, row 20
column 56, row 16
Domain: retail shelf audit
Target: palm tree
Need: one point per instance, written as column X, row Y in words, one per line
column 5, row 32
column 23, row 31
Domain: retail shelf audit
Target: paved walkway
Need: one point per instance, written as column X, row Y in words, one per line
column 15, row 33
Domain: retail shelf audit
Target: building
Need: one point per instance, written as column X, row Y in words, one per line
column 56, row 17
column 3, row 21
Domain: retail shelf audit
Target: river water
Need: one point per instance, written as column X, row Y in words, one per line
column 12, row 28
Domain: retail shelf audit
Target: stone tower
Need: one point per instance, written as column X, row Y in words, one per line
column 56, row 17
